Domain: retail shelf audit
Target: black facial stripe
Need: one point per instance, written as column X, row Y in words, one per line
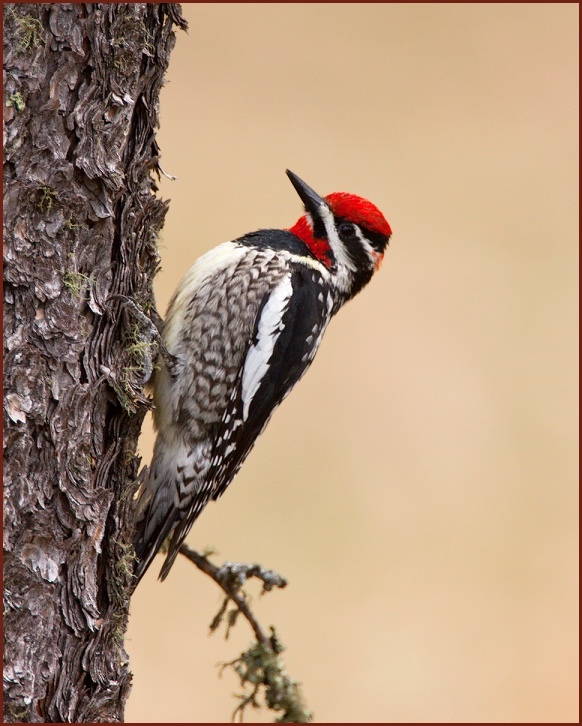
column 359, row 253
column 377, row 240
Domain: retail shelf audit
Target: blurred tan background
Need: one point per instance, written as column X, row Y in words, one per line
column 419, row 486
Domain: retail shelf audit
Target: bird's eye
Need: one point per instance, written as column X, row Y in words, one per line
column 347, row 230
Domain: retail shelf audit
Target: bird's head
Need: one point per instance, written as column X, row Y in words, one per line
column 347, row 233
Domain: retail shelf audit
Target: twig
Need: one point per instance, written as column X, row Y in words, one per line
column 230, row 578
column 261, row 665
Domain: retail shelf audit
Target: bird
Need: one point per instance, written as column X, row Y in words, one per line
column 241, row 329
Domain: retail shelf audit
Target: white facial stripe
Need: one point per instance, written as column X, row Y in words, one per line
column 337, row 246
column 270, row 326
column 372, row 254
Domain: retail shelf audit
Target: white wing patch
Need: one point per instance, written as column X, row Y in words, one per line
column 270, row 326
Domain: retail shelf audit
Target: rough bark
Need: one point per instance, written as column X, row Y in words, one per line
column 81, row 87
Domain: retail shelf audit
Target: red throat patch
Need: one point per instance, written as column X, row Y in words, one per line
column 319, row 247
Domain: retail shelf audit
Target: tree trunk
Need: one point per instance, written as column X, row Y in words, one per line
column 81, row 220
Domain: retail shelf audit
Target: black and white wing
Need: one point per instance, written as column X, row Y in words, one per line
column 288, row 332
column 288, row 329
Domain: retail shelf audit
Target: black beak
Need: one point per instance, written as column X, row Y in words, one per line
column 312, row 201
